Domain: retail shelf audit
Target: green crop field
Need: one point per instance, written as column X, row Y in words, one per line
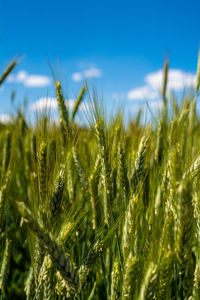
column 105, row 211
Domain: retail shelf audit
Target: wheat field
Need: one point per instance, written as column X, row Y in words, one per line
column 105, row 211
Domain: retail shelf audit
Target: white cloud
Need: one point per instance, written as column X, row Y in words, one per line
column 143, row 92
column 37, row 81
column 70, row 103
column 77, row 76
column 156, row 104
column 92, row 72
column 89, row 73
column 21, row 76
column 85, row 106
column 51, row 103
column 177, row 80
column 30, row 80
column 44, row 103
column 4, row 118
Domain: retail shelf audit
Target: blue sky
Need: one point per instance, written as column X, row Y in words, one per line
column 117, row 46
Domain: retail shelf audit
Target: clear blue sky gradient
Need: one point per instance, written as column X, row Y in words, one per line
column 125, row 39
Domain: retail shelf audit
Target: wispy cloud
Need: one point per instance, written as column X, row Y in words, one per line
column 87, row 74
column 177, row 80
column 4, row 118
column 30, row 80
